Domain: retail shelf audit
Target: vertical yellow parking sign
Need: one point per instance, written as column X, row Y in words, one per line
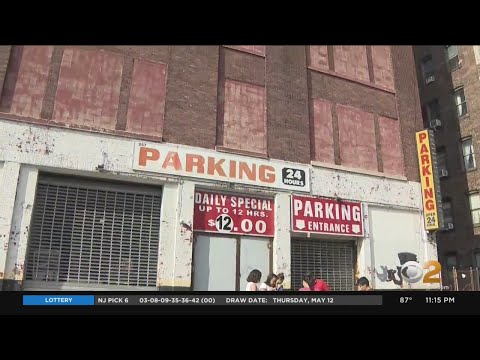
column 426, row 166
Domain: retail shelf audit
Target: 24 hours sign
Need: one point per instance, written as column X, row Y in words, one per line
column 233, row 214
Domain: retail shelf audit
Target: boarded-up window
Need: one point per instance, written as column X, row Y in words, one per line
column 244, row 117
column 319, row 57
column 357, row 138
column 391, row 144
column 88, row 88
column 323, row 131
column 382, row 66
column 26, row 80
column 146, row 104
column 352, row 61
column 255, row 49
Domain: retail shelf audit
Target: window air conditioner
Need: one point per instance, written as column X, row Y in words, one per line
column 443, row 173
column 435, row 123
column 429, row 79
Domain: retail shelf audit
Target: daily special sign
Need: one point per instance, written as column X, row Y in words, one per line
column 326, row 216
column 429, row 180
column 233, row 214
column 207, row 164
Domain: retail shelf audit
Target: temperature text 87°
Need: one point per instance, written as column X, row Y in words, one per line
column 406, row 299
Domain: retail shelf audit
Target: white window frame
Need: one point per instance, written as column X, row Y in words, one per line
column 475, row 211
column 471, row 153
column 453, row 60
column 461, row 106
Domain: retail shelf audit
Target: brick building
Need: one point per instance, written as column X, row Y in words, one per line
column 449, row 83
column 185, row 167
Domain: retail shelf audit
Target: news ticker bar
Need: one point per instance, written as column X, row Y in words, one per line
column 94, row 300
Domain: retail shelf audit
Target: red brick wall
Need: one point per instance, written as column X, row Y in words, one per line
column 129, row 96
column 26, row 81
column 357, row 138
column 338, row 90
column 323, row 132
column 391, row 145
column 192, row 93
column 408, row 104
column 147, row 98
column 38, row 101
column 288, row 115
column 244, row 117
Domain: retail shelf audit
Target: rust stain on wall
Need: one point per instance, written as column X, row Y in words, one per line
column 33, row 143
column 18, row 270
column 186, row 232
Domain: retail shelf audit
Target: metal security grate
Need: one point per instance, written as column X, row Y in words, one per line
column 94, row 233
column 332, row 261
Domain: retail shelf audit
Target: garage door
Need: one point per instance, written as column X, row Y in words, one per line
column 332, row 261
column 93, row 235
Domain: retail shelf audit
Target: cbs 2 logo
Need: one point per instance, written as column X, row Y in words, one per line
column 412, row 272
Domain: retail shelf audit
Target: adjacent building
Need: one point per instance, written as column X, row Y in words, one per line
column 449, row 83
column 186, row 167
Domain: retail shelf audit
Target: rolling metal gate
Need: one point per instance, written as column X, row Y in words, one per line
column 332, row 261
column 94, row 235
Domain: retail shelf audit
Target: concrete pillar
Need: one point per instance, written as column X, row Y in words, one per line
column 184, row 236
column 365, row 253
column 176, row 237
column 22, row 216
column 8, row 189
column 281, row 242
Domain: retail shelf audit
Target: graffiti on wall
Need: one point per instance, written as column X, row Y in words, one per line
column 410, row 271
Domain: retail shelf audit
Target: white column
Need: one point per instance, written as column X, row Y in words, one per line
column 166, row 250
column 8, row 189
column 22, row 216
column 365, row 254
column 184, row 235
column 176, row 235
column 281, row 242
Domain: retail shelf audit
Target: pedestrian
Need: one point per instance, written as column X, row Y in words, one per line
column 280, row 279
column 363, row 284
column 253, row 279
column 310, row 283
column 270, row 284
